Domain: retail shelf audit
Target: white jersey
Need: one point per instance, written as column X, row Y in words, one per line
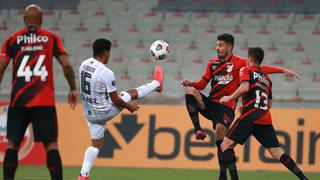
column 96, row 81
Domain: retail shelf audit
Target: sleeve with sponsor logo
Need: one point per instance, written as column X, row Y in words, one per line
column 6, row 49
column 58, row 48
column 244, row 74
column 110, row 82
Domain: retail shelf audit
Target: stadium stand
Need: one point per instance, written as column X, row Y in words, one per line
column 290, row 37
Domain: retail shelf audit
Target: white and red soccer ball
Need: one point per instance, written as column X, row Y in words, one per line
column 159, row 49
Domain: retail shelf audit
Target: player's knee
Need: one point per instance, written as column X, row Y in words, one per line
column 190, row 90
column 226, row 144
column 133, row 93
column 97, row 143
column 276, row 152
column 221, row 131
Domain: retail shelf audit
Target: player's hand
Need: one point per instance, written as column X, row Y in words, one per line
column 73, row 97
column 186, row 82
column 290, row 73
column 133, row 107
column 225, row 99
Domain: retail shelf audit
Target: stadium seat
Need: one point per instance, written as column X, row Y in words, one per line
column 175, row 19
column 156, row 32
column 149, row 18
column 227, row 19
column 254, row 19
column 280, row 20
column 181, row 34
column 202, row 19
column 140, row 5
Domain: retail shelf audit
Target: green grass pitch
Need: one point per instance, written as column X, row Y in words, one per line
column 107, row 173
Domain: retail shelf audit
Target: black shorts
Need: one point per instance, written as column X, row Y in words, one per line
column 43, row 119
column 241, row 130
column 216, row 112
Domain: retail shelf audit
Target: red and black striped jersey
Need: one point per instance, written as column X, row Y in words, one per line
column 224, row 77
column 259, row 94
column 32, row 51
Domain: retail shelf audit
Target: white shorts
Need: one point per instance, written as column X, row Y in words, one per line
column 97, row 125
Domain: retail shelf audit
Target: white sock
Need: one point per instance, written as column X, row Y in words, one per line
column 89, row 156
column 147, row 88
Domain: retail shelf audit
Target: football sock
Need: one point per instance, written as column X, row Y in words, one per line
column 230, row 163
column 10, row 164
column 193, row 110
column 54, row 164
column 147, row 88
column 292, row 166
column 89, row 156
column 223, row 169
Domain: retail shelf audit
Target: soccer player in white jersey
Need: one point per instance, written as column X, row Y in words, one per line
column 102, row 102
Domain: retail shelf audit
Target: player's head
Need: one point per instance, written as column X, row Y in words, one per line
column 101, row 50
column 33, row 16
column 255, row 56
column 224, row 45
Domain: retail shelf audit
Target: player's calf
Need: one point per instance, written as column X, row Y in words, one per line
column 193, row 110
column 287, row 161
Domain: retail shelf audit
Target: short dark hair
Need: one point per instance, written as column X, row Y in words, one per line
column 226, row 37
column 100, row 46
column 257, row 53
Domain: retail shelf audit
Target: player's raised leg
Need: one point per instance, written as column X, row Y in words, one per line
column 194, row 103
column 155, row 85
column 142, row 91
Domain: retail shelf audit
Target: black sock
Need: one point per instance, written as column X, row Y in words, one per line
column 292, row 166
column 230, row 163
column 193, row 110
column 54, row 164
column 10, row 164
column 223, row 168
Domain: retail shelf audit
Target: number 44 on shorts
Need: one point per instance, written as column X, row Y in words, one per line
column 38, row 70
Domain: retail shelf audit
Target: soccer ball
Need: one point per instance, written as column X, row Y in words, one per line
column 159, row 49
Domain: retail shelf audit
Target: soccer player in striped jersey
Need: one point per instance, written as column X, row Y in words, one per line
column 223, row 72
column 255, row 119
column 31, row 50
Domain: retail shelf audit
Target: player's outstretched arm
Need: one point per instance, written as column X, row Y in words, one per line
column 200, row 85
column 3, row 66
column 242, row 89
column 274, row 69
column 69, row 74
column 116, row 100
